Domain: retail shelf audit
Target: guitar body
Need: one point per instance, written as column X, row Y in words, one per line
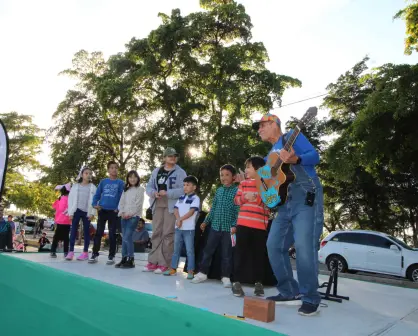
column 273, row 184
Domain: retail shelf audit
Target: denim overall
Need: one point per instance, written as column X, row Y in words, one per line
column 299, row 224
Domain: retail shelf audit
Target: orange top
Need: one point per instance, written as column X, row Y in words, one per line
column 251, row 214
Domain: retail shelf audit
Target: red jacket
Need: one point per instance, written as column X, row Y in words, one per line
column 61, row 208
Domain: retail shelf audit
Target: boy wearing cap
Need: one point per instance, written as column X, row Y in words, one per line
column 164, row 188
column 300, row 220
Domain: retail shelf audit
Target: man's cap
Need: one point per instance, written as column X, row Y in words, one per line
column 266, row 117
column 169, row 151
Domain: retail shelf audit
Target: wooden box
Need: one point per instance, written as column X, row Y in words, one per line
column 259, row 309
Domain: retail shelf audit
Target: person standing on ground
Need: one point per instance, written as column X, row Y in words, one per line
column 62, row 220
column 130, row 209
column 300, row 220
column 164, row 188
column 80, row 207
column 106, row 201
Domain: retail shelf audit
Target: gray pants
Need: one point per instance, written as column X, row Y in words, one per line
column 162, row 237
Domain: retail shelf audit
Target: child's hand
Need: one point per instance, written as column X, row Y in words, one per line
column 179, row 223
column 98, row 207
column 250, row 196
column 156, row 195
column 233, row 230
column 203, row 226
column 162, row 193
column 240, row 176
column 91, row 218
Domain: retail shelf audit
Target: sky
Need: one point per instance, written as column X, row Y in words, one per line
column 314, row 41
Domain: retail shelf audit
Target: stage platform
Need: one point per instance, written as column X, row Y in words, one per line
column 44, row 295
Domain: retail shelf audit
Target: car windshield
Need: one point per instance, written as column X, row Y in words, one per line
column 400, row 242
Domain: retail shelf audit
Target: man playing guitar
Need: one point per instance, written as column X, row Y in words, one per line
column 298, row 221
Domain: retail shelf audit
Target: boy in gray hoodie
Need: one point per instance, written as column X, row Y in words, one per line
column 164, row 188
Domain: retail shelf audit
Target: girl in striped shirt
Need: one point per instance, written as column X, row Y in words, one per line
column 251, row 237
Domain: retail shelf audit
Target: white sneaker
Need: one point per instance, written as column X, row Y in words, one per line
column 227, row 282
column 199, row 277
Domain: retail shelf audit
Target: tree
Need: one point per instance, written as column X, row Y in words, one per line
column 192, row 84
column 371, row 172
column 410, row 15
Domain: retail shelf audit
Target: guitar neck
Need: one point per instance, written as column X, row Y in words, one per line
column 288, row 145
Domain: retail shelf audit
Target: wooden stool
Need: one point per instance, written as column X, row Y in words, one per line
column 259, row 309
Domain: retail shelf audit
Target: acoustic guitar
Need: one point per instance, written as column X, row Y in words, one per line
column 274, row 178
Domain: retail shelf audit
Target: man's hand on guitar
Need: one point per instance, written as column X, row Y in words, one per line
column 288, row 157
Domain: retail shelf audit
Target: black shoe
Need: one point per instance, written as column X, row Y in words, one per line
column 110, row 260
column 237, row 289
column 308, row 309
column 93, row 259
column 53, row 255
column 121, row 263
column 279, row 299
column 258, row 290
column 130, row 263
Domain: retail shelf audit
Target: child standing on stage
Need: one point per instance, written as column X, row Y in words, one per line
column 80, row 208
column 106, row 201
column 252, row 223
column 130, row 209
column 62, row 220
column 185, row 211
column 222, row 220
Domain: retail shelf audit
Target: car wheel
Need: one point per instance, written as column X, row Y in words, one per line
column 342, row 264
column 413, row 273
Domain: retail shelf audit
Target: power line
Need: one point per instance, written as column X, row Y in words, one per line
column 300, row 101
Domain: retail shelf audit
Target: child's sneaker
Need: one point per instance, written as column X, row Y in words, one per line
column 199, row 277
column 190, row 276
column 227, row 282
column 93, row 259
column 160, row 270
column 69, row 256
column 150, row 267
column 83, row 256
column 53, row 255
column 110, row 260
column 170, row 271
column 258, row 290
column 237, row 289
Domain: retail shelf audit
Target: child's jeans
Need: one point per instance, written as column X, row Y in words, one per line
column 80, row 215
column 128, row 228
column 215, row 239
column 186, row 236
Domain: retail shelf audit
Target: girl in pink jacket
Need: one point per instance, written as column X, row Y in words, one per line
column 62, row 220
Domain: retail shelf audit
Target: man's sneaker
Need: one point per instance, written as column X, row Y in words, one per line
column 83, row 256
column 110, row 260
column 53, row 255
column 160, row 270
column 281, row 300
column 93, row 259
column 190, row 275
column 199, row 277
column 258, row 290
column 237, row 289
column 170, row 271
column 308, row 309
column 130, row 263
column 122, row 262
column 149, row 268
column 70, row 256
column 226, row 282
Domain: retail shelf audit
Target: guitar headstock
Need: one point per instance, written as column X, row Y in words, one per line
column 308, row 116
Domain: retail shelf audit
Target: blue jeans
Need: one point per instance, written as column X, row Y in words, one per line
column 302, row 225
column 80, row 215
column 186, row 237
column 128, row 228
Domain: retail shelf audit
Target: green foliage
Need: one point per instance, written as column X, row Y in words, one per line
column 370, row 173
column 192, row 84
column 410, row 15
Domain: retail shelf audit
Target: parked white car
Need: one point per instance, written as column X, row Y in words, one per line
column 369, row 251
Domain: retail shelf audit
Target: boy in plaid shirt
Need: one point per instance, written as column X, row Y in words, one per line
column 222, row 220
